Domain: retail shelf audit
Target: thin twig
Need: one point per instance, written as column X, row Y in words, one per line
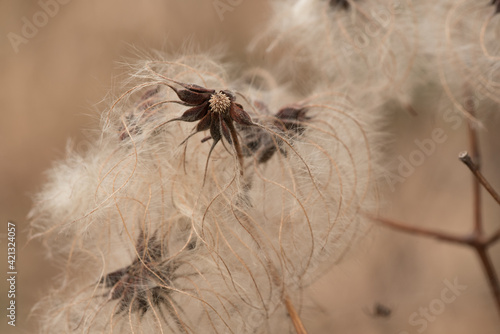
column 276, row 278
column 421, row 231
column 474, row 152
column 491, row 274
column 474, row 163
column 478, row 243
column 474, row 168
column 297, row 323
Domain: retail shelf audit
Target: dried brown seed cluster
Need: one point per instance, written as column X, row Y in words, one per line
column 292, row 118
column 289, row 121
column 144, row 283
column 216, row 111
column 344, row 4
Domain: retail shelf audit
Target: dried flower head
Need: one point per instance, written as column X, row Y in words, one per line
column 216, row 111
column 144, row 283
column 497, row 4
column 344, row 4
column 292, row 118
column 290, row 121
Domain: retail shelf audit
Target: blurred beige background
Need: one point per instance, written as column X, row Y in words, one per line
column 51, row 90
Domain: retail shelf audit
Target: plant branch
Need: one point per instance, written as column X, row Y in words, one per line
column 477, row 242
column 421, row 231
column 474, row 168
column 292, row 312
column 475, row 153
column 473, row 161
column 491, row 274
column 297, row 323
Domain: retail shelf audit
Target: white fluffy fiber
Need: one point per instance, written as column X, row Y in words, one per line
column 461, row 44
column 382, row 50
column 242, row 243
column 368, row 49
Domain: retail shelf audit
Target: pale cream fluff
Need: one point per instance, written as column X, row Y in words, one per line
column 229, row 244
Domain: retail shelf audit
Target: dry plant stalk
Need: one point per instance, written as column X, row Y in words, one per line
column 477, row 240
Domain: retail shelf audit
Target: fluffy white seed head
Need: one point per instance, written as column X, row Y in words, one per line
column 458, row 53
column 167, row 246
column 368, row 49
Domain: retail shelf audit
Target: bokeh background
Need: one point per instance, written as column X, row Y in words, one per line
column 52, row 89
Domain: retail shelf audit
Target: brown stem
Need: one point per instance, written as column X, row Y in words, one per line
column 297, row 323
column 474, row 163
column 474, row 168
column 491, row 274
column 420, row 231
column 474, row 152
column 476, row 240
column 294, row 316
column 478, row 243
